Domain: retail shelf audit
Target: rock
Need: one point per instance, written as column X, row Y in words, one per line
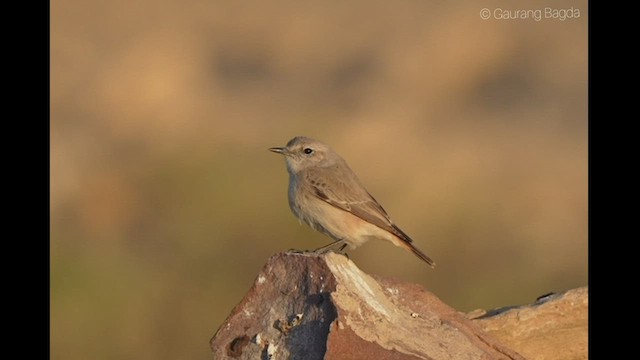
column 554, row 327
column 308, row 306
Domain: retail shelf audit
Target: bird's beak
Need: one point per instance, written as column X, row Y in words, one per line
column 279, row 150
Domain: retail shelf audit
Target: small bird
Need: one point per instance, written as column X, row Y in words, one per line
column 327, row 195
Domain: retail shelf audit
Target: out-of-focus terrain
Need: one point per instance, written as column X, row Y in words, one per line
column 165, row 202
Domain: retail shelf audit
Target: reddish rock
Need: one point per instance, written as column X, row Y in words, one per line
column 308, row 306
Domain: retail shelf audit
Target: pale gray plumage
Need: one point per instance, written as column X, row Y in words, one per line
column 328, row 196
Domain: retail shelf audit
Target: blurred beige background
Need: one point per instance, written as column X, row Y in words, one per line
column 165, row 202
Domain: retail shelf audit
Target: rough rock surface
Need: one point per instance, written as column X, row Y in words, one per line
column 554, row 327
column 308, row 306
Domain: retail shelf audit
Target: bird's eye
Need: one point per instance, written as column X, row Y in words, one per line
column 308, row 151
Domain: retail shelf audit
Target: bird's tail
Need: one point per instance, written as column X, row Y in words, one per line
column 409, row 246
column 421, row 255
column 404, row 241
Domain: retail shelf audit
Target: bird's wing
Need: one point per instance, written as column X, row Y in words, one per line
column 345, row 192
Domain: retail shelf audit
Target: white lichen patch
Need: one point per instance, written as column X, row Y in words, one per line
column 297, row 320
column 271, row 350
column 261, row 279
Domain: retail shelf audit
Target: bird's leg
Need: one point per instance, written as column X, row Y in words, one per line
column 341, row 250
column 297, row 251
column 324, row 249
column 328, row 247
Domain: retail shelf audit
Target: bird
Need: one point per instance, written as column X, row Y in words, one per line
column 327, row 195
